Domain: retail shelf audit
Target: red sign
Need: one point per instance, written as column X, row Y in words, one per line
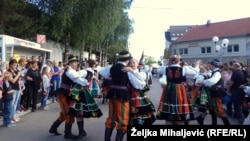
column 40, row 39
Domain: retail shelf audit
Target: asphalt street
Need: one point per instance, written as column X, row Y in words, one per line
column 34, row 126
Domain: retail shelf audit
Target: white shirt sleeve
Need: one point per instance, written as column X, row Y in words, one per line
column 137, row 79
column 213, row 80
column 161, row 70
column 247, row 90
column 189, row 70
column 163, row 80
column 77, row 76
column 105, row 71
column 199, row 78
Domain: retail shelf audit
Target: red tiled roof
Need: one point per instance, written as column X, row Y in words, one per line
column 225, row 29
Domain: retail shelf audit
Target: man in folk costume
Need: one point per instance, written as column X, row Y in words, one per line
column 119, row 98
column 69, row 78
column 215, row 83
column 174, row 103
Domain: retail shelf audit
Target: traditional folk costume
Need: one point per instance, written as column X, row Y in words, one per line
column 119, row 98
column 199, row 98
column 174, row 103
column 215, row 98
column 107, row 82
column 93, row 85
column 69, row 78
column 82, row 104
column 142, row 108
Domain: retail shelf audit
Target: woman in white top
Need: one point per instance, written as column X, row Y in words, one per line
column 141, row 107
column 174, row 104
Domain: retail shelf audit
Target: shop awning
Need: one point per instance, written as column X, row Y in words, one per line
column 29, row 46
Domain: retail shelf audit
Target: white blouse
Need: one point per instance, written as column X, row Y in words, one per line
column 137, row 79
column 186, row 70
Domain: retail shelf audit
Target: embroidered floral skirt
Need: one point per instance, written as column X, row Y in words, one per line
column 83, row 104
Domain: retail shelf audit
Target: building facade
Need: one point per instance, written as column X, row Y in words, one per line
column 197, row 42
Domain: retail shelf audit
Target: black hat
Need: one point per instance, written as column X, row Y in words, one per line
column 124, row 56
column 215, row 63
column 72, row 59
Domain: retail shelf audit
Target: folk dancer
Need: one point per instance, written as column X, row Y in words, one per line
column 93, row 82
column 82, row 104
column 69, row 78
column 215, row 84
column 119, row 98
column 174, row 103
column 199, row 97
column 141, row 108
column 107, row 82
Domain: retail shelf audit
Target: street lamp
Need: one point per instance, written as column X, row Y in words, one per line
column 224, row 45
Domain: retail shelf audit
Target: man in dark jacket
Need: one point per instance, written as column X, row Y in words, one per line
column 63, row 95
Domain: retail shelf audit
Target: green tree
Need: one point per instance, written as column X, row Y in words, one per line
column 117, row 41
column 82, row 24
column 149, row 60
column 20, row 19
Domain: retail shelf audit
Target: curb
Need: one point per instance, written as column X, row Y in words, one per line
column 24, row 112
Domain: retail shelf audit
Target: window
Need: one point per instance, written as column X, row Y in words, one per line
column 174, row 51
column 183, row 51
column 205, row 50
column 233, row 48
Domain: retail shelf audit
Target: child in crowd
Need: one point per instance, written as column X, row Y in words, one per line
column 7, row 101
column 45, row 87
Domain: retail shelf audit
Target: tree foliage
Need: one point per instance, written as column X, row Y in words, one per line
column 149, row 60
column 20, row 19
column 100, row 24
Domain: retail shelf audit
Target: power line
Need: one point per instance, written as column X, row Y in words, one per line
column 161, row 8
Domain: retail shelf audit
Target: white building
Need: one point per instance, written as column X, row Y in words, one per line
column 173, row 33
column 197, row 42
column 19, row 48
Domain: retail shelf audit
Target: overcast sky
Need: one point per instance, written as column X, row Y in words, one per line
column 153, row 17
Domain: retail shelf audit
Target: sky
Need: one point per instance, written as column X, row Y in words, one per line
column 153, row 17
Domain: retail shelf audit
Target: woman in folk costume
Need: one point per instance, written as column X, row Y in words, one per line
column 174, row 104
column 214, row 82
column 190, row 82
column 93, row 82
column 82, row 104
column 141, row 107
column 199, row 99
column 107, row 82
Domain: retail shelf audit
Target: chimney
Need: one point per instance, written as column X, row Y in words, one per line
column 208, row 22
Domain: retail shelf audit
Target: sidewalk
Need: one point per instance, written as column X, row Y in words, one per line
column 23, row 112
